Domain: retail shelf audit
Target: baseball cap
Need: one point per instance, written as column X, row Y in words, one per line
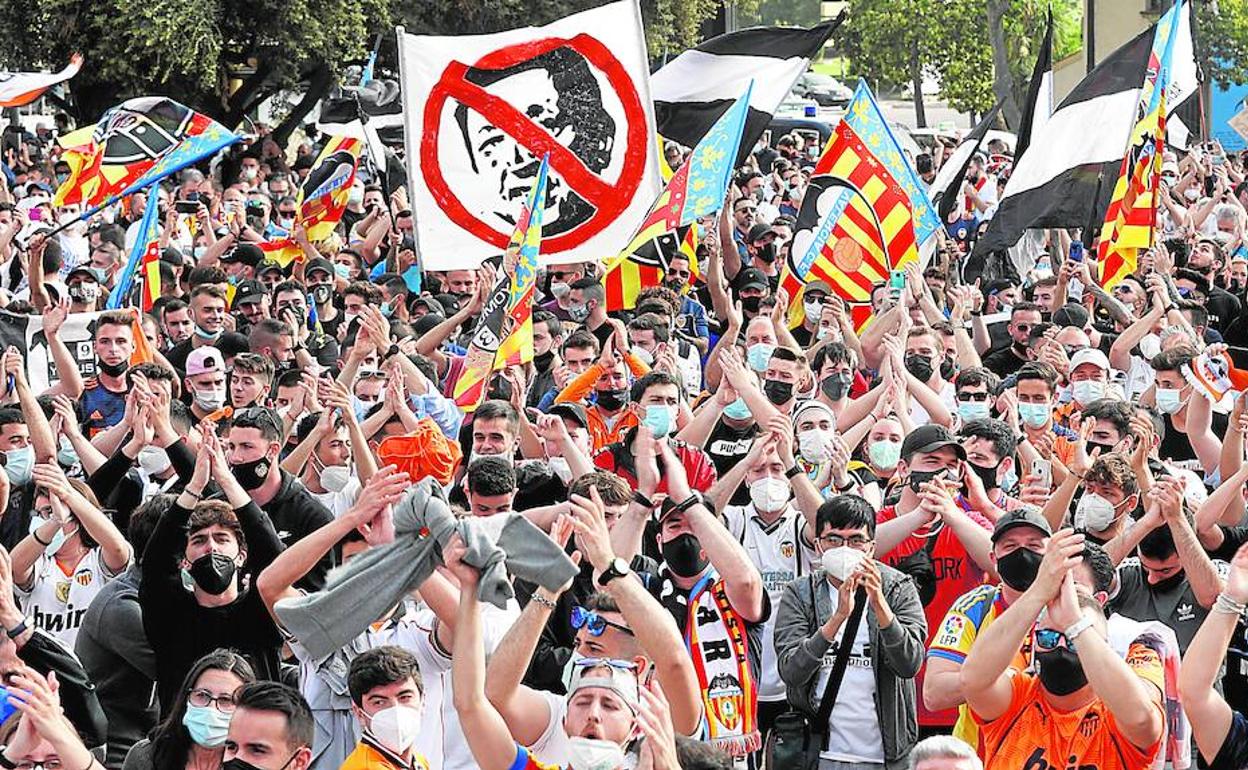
column 246, row 253
column 752, row 278
column 267, row 265
column 817, row 286
column 574, row 412
column 430, row 304
column 758, row 231
column 250, row 290
column 1089, row 356
column 205, row 359
column 320, row 263
column 929, row 438
column 94, row 273
column 1023, row 517
column 1071, row 314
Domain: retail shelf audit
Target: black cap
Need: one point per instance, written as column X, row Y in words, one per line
column 752, row 277
column 1023, row 517
column 246, row 253
column 320, row 263
column 94, row 273
column 426, row 323
column 250, row 290
column 430, row 304
column 572, row 411
column 929, row 438
column 758, row 231
column 267, row 265
column 1071, row 315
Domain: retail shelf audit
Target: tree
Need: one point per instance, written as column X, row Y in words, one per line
column 1222, row 41
column 222, row 57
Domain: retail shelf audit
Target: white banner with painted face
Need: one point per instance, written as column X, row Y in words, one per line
column 481, row 111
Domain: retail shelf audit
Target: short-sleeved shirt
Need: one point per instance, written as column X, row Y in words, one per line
column 1234, row 752
column 1031, row 733
column 100, row 407
column 969, row 617
column 618, row 458
column 58, row 600
column 1176, row 606
column 956, row 573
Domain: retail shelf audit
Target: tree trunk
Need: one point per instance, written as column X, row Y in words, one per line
column 318, row 85
column 1002, row 77
column 916, row 77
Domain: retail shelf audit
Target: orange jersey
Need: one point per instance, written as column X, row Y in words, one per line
column 1032, row 734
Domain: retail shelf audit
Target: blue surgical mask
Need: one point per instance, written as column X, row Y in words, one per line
column 1087, row 391
column 1009, row 480
column 342, row 271
column 20, row 465
column 207, row 726
column 1034, row 415
column 885, row 454
column 67, row 456
column 1169, row 400
column 55, row 542
column 660, row 419
column 973, row 410
column 758, row 354
column 737, row 410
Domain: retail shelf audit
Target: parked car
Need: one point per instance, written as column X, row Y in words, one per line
column 824, row 89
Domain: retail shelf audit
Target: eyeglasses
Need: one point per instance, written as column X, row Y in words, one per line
column 972, row 396
column 1048, row 639
column 854, row 541
column 202, row 698
column 594, row 623
column 51, row 763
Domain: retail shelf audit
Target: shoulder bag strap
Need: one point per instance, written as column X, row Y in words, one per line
column 842, row 660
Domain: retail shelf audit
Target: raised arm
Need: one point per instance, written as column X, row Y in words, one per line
column 41, row 436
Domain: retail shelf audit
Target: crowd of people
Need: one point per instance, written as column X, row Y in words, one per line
column 1000, row 525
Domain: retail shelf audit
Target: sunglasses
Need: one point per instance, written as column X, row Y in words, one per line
column 594, row 623
column 619, row 665
column 972, row 396
column 1048, row 639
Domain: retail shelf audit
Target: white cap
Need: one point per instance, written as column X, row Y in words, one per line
column 1089, row 356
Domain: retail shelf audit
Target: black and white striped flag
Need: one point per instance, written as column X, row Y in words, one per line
column 948, row 182
column 691, row 91
column 1057, row 182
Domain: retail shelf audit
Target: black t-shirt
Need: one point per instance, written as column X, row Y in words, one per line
column 1177, row 447
column 1004, row 361
column 803, row 336
column 728, row 446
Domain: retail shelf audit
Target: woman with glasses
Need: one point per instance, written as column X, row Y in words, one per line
column 192, row 736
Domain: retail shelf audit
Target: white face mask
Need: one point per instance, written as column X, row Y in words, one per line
column 643, row 355
column 813, row 445
column 474, row 456
column 335, row 477
column 769, row 494
column 560, row 289
column 1087, row 391
column 396, row 727
column 814, row 310
column 561, row 468
column 1150, row 346
column 841, row 562
column 592, row 754
column 1094, row 513
column 153, row 460
column 210, row 400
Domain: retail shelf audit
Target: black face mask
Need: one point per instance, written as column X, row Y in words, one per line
column 1234, row 287
column 1094, row 445
column 1169, row 583
column 1019, row 567
column 751, row 304
column 987, row 476
column 612, row 400
column 919, row 478
column 252, row 475
column 114, row 370
column 542, row 360
column 1060, row 671
column 837, row 386
column 676, row 286
column 766, row 253
column 684, row 556
column 947, row 369
column 213, row 573
column 778, row 392
column 242, row 764
column 919, row 366
column 500, row 390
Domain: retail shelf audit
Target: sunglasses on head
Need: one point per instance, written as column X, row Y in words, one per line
column 620, row 665
column 594, row 623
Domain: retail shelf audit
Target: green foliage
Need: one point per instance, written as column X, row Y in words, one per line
column 783, row 13
column 1222, row 40
column 188, row 50
column 952, row 43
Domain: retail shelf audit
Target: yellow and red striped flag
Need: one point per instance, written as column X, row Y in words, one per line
column 504, row 334
column 856, row 226
column 323, row 195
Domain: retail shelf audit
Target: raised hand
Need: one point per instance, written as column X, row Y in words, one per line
column 590, row 524
column 1063, row 553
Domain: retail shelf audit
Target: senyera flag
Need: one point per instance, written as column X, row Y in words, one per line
column 20, row 88
column 504, row 335
column 323, row 195
column 136, row 143
column 695, row 190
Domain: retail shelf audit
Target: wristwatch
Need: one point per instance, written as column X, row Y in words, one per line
column 391, row 352
column 617, row 568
